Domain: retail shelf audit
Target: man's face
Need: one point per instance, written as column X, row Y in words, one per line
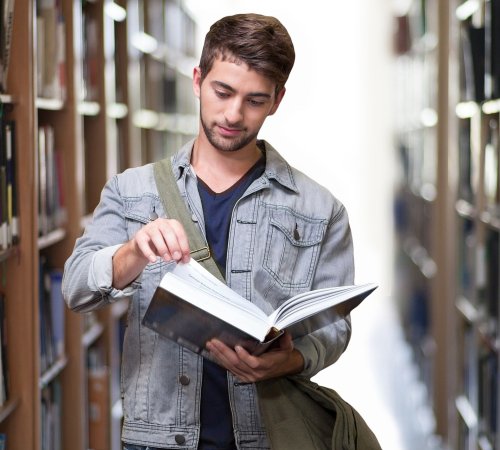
column 234, row 103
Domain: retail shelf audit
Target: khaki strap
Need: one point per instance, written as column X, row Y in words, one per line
column 175, row 208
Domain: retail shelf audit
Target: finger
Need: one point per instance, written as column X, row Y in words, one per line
column 143, row 243
column 182, row 239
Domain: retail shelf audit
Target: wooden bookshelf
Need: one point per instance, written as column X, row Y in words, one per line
column 474, row 96
column 459, row 228
column 422, row 200
column 77, row 120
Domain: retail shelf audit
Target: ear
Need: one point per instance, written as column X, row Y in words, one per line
column 277, row 102
column 197, row 81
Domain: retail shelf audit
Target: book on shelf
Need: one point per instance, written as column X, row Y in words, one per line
column 51, row 207
column 51, row 417
column 472, row 63
column 7, row 21
column 52, row 316
column 51, row 49
column 191, row 306
column 492, row 167
column 492, row 49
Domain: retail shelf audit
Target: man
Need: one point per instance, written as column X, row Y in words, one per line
column 273, row 231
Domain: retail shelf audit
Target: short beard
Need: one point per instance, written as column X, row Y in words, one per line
column 222, row 145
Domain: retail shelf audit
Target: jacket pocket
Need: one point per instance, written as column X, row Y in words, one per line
column 292, row 247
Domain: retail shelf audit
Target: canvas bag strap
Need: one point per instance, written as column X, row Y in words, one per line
column 175, row 208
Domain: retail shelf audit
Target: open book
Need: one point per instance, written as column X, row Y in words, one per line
column 191, row 306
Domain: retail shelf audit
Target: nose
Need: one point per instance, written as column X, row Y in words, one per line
column 234, row 112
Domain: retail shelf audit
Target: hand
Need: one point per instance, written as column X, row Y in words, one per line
column 163, row 238
column 283, row 360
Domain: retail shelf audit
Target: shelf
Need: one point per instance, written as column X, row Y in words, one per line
column 467, row 9
column 491, row 107
column 466, row 411
column 92, row 334
column 53, row 372
column 8, row 408
column 90, row 109
column 467, row 110
column 51, row 238
column 465, row 209
column 484, row 443
column 420, row 257
column 467, row 309
column 117, row 110
column 49, row 104
column 9, row 99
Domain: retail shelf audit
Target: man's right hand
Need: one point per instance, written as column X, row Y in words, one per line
column 164, row 238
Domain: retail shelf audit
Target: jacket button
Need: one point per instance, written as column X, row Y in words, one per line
column 180, row 439
column 184, row 380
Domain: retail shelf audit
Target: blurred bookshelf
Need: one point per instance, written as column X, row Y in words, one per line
column 447, row 210
column 76, row 83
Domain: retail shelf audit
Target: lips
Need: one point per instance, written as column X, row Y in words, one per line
column 229, row 131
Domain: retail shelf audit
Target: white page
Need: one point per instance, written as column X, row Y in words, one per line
column 225, row 310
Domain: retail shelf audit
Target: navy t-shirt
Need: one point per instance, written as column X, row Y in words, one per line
column 215, row 412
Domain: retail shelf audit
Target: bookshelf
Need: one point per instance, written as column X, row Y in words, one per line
column 475, row 91
column 422, row 198
column 449, row 242
column 72, row 88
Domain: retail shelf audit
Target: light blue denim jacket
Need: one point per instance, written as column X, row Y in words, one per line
column 287, row 235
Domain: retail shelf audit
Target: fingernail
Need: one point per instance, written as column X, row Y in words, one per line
column 176, row 256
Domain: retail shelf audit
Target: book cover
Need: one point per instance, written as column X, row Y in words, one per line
column 190, row 307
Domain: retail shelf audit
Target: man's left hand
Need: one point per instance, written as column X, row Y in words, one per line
column 280, row 361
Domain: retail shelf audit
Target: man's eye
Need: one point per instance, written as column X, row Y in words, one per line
column 255, row 102
column 221, row 94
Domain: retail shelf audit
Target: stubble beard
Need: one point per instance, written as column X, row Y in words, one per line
column 226, row 144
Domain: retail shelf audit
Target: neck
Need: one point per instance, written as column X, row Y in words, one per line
column 218, row 169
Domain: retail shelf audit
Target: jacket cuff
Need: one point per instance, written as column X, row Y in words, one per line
column 320, row 350
column 100, row 276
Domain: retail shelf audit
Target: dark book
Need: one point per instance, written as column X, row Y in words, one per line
column 473, row 63
column 191, row 306
column 492, row 49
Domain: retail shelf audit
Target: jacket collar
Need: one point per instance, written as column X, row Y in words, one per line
column 276, row 167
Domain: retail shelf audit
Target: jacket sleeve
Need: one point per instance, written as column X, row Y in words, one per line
column 335, row 268
column 88, row 273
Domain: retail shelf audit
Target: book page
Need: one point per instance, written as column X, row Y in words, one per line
column 199, row 278
column 310, row 303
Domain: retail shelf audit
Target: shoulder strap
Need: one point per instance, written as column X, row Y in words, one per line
column 175, row 208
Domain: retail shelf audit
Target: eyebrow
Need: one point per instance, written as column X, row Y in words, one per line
column 231, row 89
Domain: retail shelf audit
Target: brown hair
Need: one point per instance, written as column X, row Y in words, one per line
column 261, row 42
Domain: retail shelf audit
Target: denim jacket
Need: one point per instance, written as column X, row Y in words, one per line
column 287, row 235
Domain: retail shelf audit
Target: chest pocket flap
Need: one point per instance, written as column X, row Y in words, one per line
column 292, row 247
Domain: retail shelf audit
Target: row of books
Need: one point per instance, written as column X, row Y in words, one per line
column 51, row 205
column 480, row 53
column 52, row 322
column 51, row 417
column 51, row 48
column 470, row 169
column 6, row 23
column 9, row 226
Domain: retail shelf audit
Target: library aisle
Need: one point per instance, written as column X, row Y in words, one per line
column 376, row 375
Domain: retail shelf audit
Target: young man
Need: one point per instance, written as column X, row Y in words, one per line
column 272, row 230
